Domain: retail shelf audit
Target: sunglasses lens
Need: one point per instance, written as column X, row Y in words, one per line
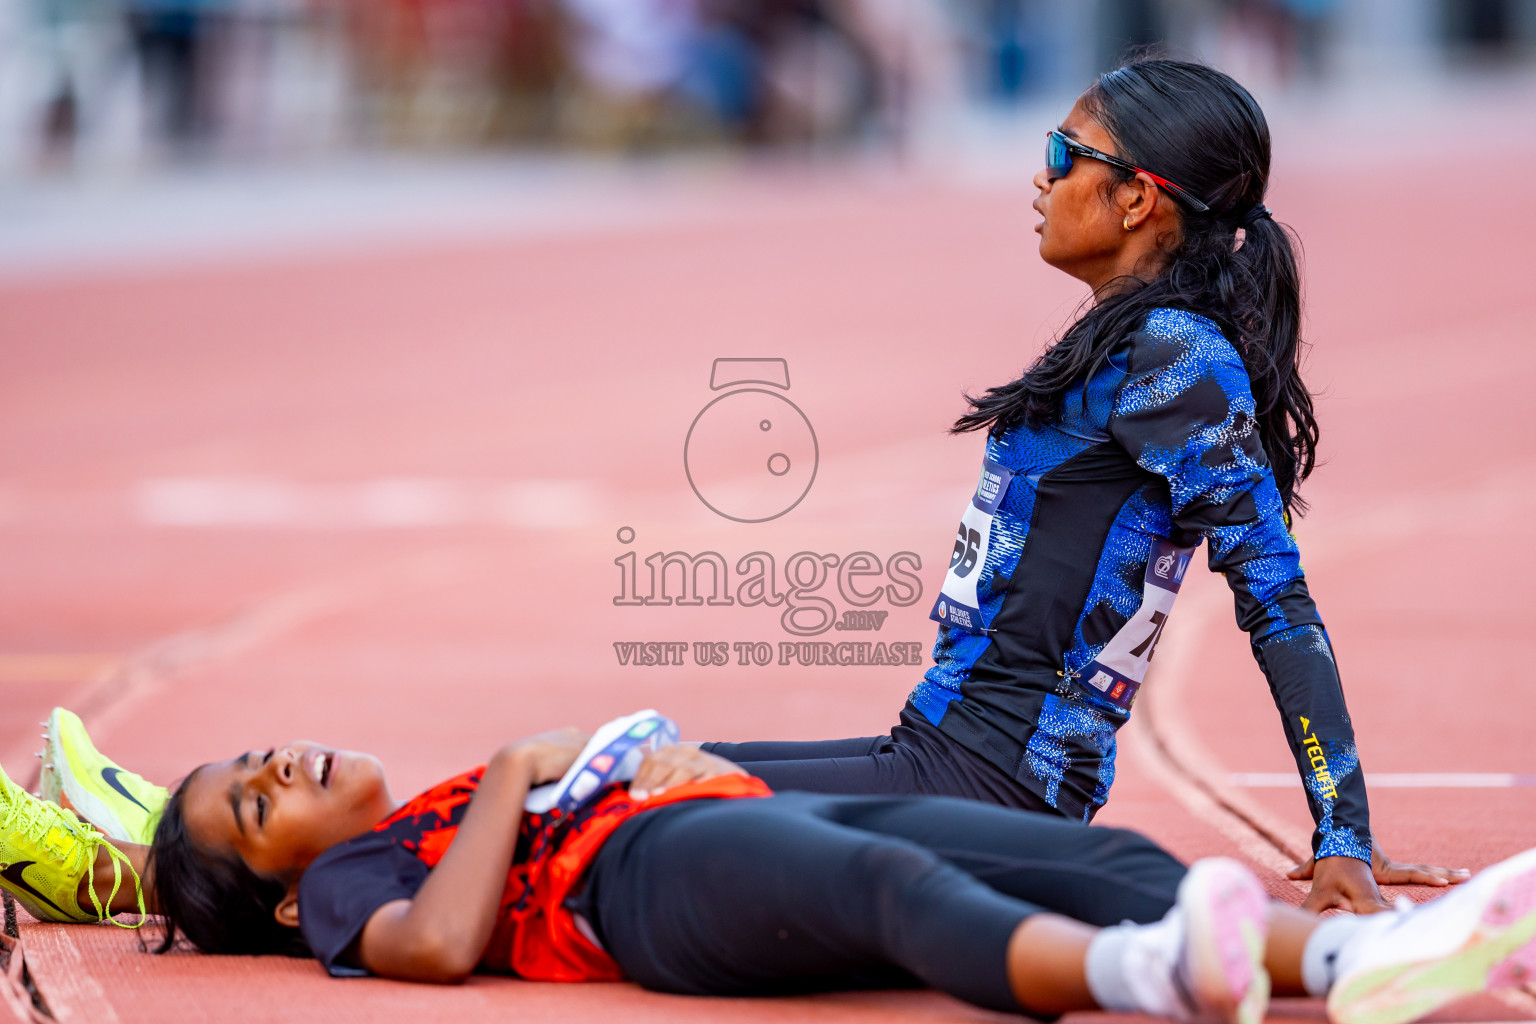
column 1058, row 161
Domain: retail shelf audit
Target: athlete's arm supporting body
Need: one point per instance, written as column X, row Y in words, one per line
column 441, row 933
column 1186, row 412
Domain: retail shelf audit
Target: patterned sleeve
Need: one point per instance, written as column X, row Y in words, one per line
column 1186, row 413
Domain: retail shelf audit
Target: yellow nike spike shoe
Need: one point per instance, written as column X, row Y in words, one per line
column 45, row 852
column 75, row 774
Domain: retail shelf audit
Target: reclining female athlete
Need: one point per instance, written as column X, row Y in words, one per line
column 1173, row 411
column 694, row 878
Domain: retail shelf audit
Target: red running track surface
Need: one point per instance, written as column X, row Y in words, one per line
column 374, row 498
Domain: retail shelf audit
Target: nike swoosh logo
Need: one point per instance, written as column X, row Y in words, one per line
column 109, row 776
column 13, row 874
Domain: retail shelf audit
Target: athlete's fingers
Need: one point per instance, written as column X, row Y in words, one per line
column 1451, row 875
column 672, row 766
column 668, row 773
column 662, row 778
column 1410, row 877
column 1410, row 874
column 1301, row 872
column 1388, row 870
column 650, row 772
column 1420, row 874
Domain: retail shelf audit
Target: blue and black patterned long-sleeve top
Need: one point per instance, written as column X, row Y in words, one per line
column 1159, row 445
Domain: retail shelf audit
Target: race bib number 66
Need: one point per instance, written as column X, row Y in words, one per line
column 958, row 604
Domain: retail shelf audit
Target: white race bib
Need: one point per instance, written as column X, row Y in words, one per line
column 1117, row 672
column 958, row 604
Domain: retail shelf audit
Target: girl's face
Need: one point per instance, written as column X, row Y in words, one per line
column 1080, row 233
column 280, row 809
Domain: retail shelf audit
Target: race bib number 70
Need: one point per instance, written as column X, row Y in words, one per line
column 1117, row 673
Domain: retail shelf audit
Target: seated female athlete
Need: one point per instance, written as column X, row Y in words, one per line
column 1171, row 413
column 694, row 878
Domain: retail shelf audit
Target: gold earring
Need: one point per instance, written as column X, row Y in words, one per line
column 1128, row 225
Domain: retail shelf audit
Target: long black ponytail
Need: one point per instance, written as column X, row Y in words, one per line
column 1196, row 126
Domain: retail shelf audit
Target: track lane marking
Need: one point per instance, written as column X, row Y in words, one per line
column 1393, row 780
column 56, row 668
column 270, row 502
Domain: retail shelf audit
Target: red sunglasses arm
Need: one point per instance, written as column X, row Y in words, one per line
column 1198, row 206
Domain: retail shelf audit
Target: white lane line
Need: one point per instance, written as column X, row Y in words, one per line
column 388, row 503
column 1394, row 780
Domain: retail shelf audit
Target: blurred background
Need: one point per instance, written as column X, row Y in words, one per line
column 91, row 86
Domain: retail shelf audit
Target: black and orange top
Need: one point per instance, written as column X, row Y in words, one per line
column 536, row 937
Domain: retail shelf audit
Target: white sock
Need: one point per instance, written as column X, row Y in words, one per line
column 1129, row 967
column 1319, row 960
column 1104, row 971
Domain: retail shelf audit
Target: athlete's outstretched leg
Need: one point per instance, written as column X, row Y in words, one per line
column 760, row 896
column 1095, row 874
column 872, row 764
column 1099, row 875
column 768, row 896
column 795, row 750
column 916, row 758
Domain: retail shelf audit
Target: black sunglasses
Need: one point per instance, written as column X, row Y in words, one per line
column 1059, row 151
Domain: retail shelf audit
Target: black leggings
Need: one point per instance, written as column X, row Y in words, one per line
column 915, row 758
column 802, row 892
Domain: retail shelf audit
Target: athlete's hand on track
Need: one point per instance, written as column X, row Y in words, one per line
column 1344, row 882
column 549, row 754
column 674, row 765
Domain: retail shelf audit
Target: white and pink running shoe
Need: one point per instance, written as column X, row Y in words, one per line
column 1220, row 973
column 1479, row 936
